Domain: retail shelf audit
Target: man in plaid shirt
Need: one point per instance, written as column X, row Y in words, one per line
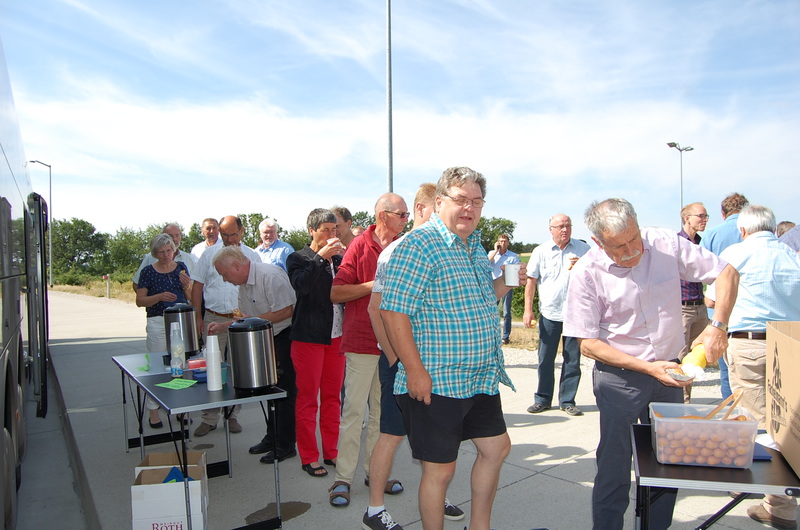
column 439, row 307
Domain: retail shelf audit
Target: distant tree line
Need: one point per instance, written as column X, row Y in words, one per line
column 81, row 254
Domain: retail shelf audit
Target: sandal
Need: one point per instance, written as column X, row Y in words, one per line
column 393, row 486
column 315, row 471
column 339, row 494
column 329, row 462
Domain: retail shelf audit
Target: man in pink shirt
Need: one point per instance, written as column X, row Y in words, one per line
column 624, row 306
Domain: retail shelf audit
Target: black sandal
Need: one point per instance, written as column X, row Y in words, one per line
column 329, row 462
column 314, row 471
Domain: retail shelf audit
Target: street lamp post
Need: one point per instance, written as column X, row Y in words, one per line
column 681, row 150
column 50, row 222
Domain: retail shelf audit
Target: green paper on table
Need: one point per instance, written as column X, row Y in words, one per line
column 146, row 367
column 177, row 383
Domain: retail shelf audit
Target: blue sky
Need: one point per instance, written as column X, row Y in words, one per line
column 150, row 111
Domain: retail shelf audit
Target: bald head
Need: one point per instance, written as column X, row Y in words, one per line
column 231, row 230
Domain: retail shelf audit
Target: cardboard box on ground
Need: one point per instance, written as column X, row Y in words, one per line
column 155, row 504
column 783, row 392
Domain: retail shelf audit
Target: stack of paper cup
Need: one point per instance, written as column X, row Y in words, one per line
column 213, row 364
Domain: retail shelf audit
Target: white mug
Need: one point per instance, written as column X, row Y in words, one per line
column 512, row 274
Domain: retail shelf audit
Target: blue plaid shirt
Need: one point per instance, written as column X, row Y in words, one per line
column 446, row 289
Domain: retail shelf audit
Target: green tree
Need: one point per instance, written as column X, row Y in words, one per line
column 363, row 219
column 126, row 248
column 492, row 227
column 78, row 247
column 250, row 222
column 297, row 237
column 193, row 237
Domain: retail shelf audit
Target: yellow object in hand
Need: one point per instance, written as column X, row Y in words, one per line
column 696, row 357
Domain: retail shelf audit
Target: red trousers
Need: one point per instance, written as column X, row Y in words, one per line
column 320, row 372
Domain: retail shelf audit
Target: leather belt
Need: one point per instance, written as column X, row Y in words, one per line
column 223, row 315
column 752, row 335
column 692, row 302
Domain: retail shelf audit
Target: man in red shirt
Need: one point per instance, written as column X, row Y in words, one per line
column 353, row 285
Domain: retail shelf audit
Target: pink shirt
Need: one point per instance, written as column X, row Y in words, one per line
column 637, row 310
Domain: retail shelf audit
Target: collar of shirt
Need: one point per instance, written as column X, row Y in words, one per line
column 450, row 237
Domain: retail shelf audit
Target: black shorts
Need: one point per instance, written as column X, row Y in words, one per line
column 435, row 431
column 391, row 417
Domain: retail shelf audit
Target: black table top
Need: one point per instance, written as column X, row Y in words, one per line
column 191, row 399
column 764, row 476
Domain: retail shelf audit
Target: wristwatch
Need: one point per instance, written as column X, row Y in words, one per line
column 720, row 325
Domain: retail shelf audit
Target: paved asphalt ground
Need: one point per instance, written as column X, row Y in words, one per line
column 78, row 475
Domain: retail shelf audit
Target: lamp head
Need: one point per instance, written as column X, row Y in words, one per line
column 673, row 144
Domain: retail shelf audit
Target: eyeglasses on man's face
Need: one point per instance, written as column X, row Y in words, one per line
column 700, row 215
column 462, row 201
column 401, row 215
column 561, row 227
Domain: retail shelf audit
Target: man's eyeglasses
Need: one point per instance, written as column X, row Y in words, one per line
column 700, row 215
column 402, row 215
column 561, row 227
column 463, row 201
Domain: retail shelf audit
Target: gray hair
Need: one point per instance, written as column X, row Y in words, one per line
column 612, row 215
column 159, row 241
column 754, row 218
column 458, row 176
column 319, row 216
column 269, row 221
column 229, row 255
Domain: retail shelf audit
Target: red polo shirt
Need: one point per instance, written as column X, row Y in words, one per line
column 358, row 266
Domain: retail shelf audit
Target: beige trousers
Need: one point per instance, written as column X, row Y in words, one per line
column 747, row 367
column 362, row 388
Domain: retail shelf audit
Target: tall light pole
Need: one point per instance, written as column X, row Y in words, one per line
column 681, row 150
column 389, row 176
column 50, row 222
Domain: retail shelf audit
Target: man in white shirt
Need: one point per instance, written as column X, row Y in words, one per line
column 498, row 257
column 210, row 231
column 221, row 303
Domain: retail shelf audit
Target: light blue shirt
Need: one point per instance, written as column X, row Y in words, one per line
column 501, row 259
column 446, row 289
column 276, row 254
column 550, row 265
column 769, row 282
column 722, row 236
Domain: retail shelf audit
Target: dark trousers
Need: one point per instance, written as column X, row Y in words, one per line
column 622, row 398
column 549, row 337
column 284, row 408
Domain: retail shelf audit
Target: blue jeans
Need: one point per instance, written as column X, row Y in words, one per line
column 506, row 304
column 549, row 336
column 724, row 379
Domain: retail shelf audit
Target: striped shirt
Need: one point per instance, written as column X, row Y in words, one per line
column 446, row 290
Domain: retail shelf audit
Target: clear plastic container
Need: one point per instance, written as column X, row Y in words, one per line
column 698, row 442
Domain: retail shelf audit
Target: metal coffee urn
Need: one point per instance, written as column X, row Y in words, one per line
column 252, row 356
column 184, row 315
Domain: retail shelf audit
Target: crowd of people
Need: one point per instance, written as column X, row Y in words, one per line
column 399, row 334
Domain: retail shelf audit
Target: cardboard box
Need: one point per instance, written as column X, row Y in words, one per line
column 693, row 441
column 155, row 504
column 162, row 460
column 783, row 392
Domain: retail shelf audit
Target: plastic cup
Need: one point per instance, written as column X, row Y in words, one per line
column 512, row 274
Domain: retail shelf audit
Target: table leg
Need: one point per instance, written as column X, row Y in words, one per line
column 140, row 406
column 642, row 507
column 273, row 428
column 124, row 410
column 228, row 411
column 185, row 467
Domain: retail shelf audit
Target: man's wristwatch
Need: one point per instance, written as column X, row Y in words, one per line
column 720, row 325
